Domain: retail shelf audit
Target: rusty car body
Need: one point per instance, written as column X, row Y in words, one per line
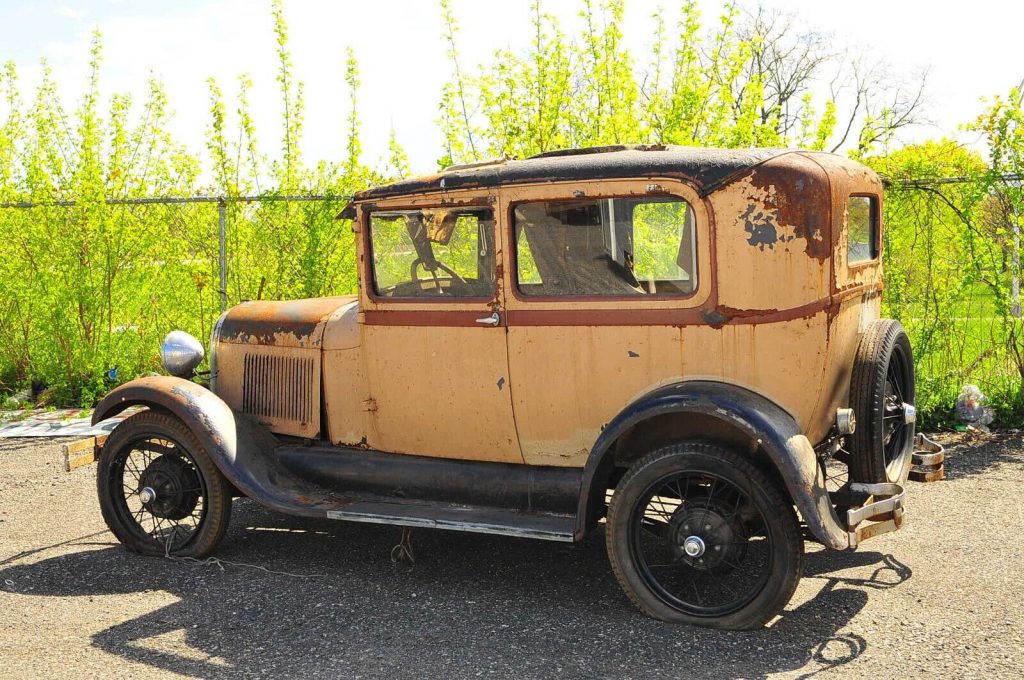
column 682, row 344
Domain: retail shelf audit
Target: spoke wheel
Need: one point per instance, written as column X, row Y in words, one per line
column 836, row 473
column 882, row 396
column 698, row 534
column 158, row 489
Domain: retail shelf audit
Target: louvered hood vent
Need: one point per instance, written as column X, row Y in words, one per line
column 279, row 388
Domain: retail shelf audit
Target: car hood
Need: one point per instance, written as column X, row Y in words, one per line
column 295, row 323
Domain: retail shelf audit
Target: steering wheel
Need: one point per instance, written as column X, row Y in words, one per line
column 433, row 273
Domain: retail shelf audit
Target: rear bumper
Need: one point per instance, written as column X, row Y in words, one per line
column 883, row 511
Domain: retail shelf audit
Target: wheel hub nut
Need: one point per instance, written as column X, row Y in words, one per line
column 846, row 421
column 693, row 546
column 147, row 494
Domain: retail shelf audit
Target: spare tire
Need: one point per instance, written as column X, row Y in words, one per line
column 882, row 397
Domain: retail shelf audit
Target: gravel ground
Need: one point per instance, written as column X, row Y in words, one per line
column 942, row 597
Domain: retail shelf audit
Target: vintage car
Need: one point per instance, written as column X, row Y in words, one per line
column 679, row 348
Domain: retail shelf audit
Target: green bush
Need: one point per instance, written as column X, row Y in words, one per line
column 88, row 289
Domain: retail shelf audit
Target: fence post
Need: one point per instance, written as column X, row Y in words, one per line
column 222, row 218
column 1015, row 285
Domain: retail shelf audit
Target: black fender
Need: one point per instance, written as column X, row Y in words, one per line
column 763, row 421
column 238, row 445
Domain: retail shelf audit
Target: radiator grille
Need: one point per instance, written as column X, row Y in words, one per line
column 279, row 388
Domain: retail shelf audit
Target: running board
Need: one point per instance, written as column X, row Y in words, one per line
column 475, row 519
column 885, row 511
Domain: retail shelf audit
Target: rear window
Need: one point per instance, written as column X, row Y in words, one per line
column 862, row 229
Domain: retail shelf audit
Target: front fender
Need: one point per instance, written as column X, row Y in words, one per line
column 238, row 445
column 775, row 431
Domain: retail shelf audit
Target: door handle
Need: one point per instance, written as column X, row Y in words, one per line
column 492, row 320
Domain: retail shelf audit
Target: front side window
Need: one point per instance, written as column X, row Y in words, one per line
column 606, row 247
column 862, row 229
column 433, row 252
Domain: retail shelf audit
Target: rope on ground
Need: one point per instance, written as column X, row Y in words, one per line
column 218, row 562
column 402, row 552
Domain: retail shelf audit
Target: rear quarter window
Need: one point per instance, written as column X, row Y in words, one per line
column 862, row 229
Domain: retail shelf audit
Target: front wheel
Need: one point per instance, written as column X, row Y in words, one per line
column 159, row 492
column 698, row 534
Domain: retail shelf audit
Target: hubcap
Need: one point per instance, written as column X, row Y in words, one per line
column 147, row 495
column 693, row 546
column 708, row 536
column 700, row 543
column 157, row 491
column 173, row 488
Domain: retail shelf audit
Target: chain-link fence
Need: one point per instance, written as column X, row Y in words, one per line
column 88, row 289
column 952, row 277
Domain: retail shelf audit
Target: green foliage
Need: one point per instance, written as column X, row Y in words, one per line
column 83, row 286
column 87, row 291
column 699, row 88
column 948, row 277
column 657, row 236
column 94, row 286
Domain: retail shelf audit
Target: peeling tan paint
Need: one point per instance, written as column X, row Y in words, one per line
column 778, row 312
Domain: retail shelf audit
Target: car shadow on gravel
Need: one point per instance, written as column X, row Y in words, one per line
column 470, row 605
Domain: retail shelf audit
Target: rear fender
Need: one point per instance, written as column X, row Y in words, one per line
column 238, row 445
column 764, row 422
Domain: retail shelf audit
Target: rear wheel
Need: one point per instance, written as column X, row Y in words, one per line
column 882, row 397
column 159, row 491
column 698, row 534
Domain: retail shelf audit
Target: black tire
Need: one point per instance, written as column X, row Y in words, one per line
column 155, row 454
column 726, row 497
column 882, row 382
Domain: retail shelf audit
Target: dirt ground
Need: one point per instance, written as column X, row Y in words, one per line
column 941, row 598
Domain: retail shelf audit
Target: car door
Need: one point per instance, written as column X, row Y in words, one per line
column 602, row 277
column 433, row 331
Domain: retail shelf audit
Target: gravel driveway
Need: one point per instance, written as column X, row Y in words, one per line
column 942, row 597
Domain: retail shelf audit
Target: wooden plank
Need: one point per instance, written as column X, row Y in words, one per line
column 82, row 452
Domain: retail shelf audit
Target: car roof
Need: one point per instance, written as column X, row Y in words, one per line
column 706, row 168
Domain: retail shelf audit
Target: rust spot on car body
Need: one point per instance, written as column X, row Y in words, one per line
column 797, row 205
column 295, row 323
column 714, row 317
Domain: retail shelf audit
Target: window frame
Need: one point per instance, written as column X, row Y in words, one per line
column 520, row 296
column 370, row 273
column 876, row 231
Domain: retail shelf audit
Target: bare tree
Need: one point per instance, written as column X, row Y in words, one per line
column 794, row 64
column 880, row 102
column 787, row 61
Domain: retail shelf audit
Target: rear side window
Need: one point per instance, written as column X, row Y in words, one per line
column 862, row 229
column 606, row 247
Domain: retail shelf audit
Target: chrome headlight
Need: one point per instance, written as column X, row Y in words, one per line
column 181, row 353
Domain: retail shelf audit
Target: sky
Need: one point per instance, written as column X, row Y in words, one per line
column 971, row 49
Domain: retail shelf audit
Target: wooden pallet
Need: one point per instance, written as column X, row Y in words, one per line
column 82, row 452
